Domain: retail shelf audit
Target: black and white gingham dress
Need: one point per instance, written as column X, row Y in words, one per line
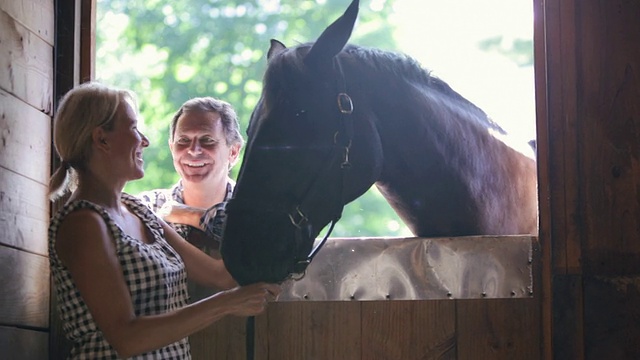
column 155, row 276
column 213, row 221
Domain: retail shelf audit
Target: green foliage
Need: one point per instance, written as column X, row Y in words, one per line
column 519, row 51
column 168, row 52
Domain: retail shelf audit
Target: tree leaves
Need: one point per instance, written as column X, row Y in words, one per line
column 168, row 52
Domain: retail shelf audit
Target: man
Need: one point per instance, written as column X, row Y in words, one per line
column 205, row 142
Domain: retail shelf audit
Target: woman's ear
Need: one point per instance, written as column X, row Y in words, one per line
column 99, row 138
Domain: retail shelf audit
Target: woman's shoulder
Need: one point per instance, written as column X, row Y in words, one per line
column 78, row 210
column 139, row 207
column 81, row 214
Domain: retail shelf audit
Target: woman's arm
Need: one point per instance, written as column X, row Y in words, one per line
column 86, row 247
column 201, row 268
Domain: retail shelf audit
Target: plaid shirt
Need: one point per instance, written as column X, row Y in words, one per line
column 212, row 221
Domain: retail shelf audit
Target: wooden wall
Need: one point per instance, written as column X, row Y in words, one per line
column 588, row 96
column 26, row 88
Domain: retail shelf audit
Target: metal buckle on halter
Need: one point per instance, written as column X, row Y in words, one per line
column 345, row 105
column 298, row 222
column 300, row 270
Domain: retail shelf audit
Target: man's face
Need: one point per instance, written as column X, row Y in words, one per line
column 199, row 149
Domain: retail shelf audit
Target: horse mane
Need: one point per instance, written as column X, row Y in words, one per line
column 388, row 64
column 398, row 65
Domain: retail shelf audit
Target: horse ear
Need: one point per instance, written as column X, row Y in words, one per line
column 333, row 39
column 276, row 48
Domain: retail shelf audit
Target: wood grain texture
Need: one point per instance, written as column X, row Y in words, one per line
column 568, row 317
column 409, row 330
column 24, row 212
column 25, row 139
column 611, row 316
column 36, row 15
column 23, row 344
column 24, row 280
column 225, row 339
column 311, row 331
column 543, row 249
column 610, row 128
column 27, row 64
column 562, row 107
column 609, row 92
column 498, row 329
column 59, row 346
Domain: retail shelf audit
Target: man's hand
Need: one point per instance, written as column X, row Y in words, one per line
column 178, row 213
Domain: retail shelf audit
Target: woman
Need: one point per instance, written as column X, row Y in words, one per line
column 119, row 271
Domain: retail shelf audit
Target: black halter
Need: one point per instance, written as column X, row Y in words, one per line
column 342, row 141
column 299, row 214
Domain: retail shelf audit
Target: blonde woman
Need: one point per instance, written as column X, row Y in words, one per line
column 120, row 273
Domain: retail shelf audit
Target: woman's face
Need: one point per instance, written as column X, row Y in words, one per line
column 127, row 143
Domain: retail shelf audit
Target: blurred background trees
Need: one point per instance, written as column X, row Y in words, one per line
column 168, row 52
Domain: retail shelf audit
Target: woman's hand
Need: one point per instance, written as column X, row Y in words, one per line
column 250, row 300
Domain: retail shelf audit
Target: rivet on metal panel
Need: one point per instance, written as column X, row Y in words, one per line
column 306, row 296
column 513, row 293
column 484, row 294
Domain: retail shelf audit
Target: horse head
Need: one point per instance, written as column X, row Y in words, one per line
column 310, row 150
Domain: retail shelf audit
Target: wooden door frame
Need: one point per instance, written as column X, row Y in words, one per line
column 75, row 63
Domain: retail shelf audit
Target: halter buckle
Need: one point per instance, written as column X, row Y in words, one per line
column 300, row 269
column 302, row 218
column 345, row 105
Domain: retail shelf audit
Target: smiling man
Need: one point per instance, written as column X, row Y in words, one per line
column 205, row 142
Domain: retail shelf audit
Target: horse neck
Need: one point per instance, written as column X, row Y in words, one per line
column 438, row 151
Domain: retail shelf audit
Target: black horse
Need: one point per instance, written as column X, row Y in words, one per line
column 334, row 119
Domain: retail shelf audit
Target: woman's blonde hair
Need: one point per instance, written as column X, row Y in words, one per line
column 81, row 110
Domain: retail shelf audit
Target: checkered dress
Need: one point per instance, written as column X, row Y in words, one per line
column 154, row 273
column 212, row 221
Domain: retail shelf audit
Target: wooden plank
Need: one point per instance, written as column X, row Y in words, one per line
column 610, row 155
column 27, row 64
column 310, row 330
column 25, row 139
column 542, row 265
column 87, row 40
column 24, row 280
column 559, row 192
column 59, row 346
column 23, row 344
column 24, row 212
column 36, row 15
column 408, row 330
column 568, row 324
column 67, row 50
column 562, row 117
column 611, row 315
column 225, row 339
column 498, row 329
column 609, row 90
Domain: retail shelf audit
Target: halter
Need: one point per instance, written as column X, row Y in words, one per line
column 299, row 218
column 299, row 215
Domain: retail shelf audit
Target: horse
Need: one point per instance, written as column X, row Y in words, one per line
column 335, row 118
